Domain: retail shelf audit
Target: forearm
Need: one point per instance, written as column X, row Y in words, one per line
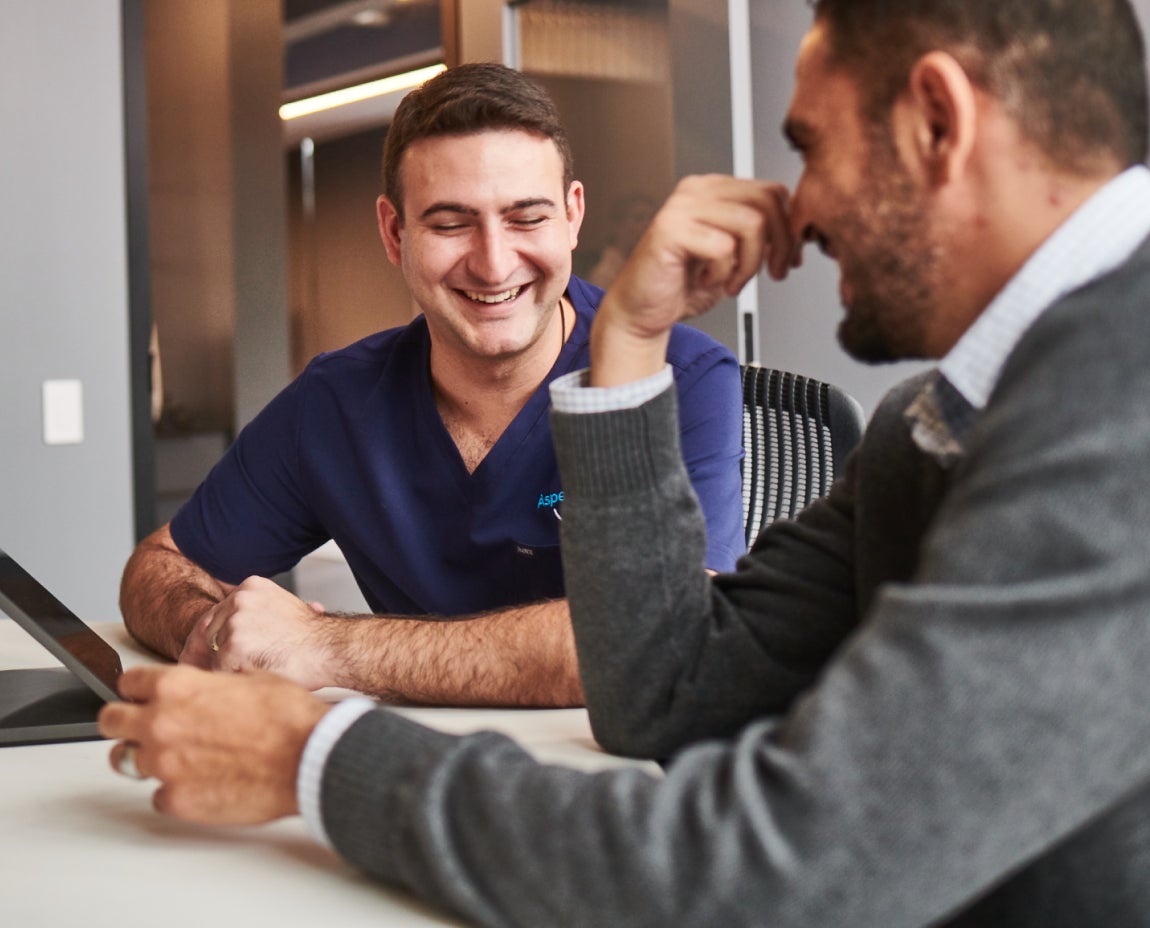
column 523, row 656
column 163, row 594
column 667, row 655
column 621, row 354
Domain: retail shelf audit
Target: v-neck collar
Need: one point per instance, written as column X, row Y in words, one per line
column 531, row 416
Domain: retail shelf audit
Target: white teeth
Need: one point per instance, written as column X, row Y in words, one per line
column 493, row 297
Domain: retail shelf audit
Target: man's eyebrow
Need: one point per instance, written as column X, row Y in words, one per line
column 448, row 208
column 529, row 203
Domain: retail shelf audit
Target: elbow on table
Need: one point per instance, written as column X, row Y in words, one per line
column 638, row 735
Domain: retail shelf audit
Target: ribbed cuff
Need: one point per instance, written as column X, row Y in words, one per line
column 370, row 782
column 315, row 753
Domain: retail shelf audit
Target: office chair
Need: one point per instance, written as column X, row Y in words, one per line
column 796, row 434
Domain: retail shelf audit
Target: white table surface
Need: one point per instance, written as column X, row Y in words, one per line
column 80, row 845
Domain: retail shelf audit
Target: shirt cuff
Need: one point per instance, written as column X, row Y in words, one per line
column 324, row 736
column 570, row 393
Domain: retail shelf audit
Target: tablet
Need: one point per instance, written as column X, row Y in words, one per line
column 47, row 704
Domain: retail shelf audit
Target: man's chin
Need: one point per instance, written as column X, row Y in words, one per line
column 865, row 342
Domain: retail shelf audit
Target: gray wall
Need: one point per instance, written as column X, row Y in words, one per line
column 798, row 318
column 65, row 511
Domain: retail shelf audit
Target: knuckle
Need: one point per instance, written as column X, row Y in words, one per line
column 161, row 731
column 174, row 682
column 693, row 182
column 166, row 765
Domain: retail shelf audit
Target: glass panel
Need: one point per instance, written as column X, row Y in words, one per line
column 607, row 65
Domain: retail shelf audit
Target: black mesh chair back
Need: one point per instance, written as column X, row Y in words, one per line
column 796, row 434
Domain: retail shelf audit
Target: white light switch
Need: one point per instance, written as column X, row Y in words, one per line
column 63, row 412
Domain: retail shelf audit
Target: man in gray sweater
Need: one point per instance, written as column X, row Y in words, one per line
column 925, row 701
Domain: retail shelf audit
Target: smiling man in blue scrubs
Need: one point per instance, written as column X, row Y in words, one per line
column 425, row 451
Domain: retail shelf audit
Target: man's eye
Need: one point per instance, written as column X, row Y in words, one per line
column 527, row 223
column 448, row 227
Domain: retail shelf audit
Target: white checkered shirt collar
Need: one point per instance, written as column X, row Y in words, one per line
column 1098, row 237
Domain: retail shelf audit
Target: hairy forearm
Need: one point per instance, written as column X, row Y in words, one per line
column 524, row 656
column 162, row 594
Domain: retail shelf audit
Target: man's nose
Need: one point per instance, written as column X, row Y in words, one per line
column 493, row 258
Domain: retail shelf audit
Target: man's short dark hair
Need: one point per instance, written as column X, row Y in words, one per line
column 467, row 99
column 1071, row 73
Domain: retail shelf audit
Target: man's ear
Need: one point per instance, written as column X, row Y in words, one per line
column 390, row 229
column 575, row 210
column 943, row 109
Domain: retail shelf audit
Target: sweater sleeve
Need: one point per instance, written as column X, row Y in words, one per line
column 712, row 654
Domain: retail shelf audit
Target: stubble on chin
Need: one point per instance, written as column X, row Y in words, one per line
column 893, row 270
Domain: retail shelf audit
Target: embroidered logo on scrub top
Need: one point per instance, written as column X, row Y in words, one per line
column 551, row 501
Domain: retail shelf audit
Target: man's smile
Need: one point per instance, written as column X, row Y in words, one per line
column 504, row 296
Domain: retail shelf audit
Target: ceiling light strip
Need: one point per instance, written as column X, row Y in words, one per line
column 359, row 93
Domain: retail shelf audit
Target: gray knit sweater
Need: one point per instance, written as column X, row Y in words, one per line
column 925, row 702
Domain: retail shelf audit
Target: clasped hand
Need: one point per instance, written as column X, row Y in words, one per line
column 259, row 625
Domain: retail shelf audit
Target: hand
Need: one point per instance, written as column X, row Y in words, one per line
column 710, row 238
column 225, row 747
column 261, row 626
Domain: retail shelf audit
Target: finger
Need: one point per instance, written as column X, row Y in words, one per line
column 138, row 684
column 179, row 800
column 797, row 253
column 731, row 253
column 707, row 282
column 196, row 653
column 161, row 801
column 126, row 758
column 192, row 802
column 116, row 756
column 217, row 641
column 213, row 624
column 780, row 239
column 777, row 239
column 705, row 242
column 186, row 803
column 768, row 240
column 754, row 229
column 119, row 720
column 746, row 258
